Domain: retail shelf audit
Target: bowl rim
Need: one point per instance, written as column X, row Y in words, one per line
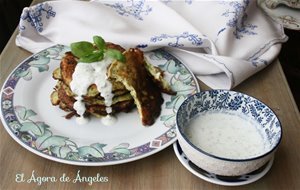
column 218, row 157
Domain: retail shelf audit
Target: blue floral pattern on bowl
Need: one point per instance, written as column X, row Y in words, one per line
column 232, row 102
column 249, row 109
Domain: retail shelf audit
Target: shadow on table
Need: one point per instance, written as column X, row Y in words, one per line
column 10, row 11
column 290, row 60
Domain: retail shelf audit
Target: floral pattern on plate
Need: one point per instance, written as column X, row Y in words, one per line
column 32, row 121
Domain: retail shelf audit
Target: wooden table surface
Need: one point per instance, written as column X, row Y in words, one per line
column 161, row 170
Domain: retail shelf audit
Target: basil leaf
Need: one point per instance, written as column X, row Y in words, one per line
column 99, row 41
column 96, row 56
column 81, row 49
column 115, row 54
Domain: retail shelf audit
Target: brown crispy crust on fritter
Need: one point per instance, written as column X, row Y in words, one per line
column 114, row 46
column 124, row 106
column 67, row 67
column 157, row 75
column 66, row 103
column 93, row 93
column 134, row 76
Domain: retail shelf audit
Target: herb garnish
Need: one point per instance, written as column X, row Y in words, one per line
column 88, row 52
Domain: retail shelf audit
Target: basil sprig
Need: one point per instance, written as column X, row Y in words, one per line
column 88, row 53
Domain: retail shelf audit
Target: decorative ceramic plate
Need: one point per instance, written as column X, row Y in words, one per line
column 288, row 17
column 218, row 179
column 30, row 118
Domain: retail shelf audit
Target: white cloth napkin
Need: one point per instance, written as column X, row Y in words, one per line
column 222, row 42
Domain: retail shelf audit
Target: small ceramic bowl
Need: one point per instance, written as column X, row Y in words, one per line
column 227, row 133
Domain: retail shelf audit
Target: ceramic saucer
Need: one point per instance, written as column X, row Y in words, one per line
column 288, row 17
column 217, row 179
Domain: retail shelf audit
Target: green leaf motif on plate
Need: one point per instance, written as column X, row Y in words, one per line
column 170, row 66
column 95, row 150
column 36, row 128
column 25, row 74
column 175, row 102
column 52, row 141
column 61, row 151
column 39, row 136
column 41, row 68
column 24, row 113
column 181, row 81
column 71, row 156
column 41, row 139
column 121, row 149
column 41, row 61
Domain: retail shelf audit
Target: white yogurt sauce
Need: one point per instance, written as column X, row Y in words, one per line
column 86, row 74
column 82, row 120
column 109, row 120
column 226, row 135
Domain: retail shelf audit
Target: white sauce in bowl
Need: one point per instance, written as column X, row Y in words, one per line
column 86, row 74
column 226, row 135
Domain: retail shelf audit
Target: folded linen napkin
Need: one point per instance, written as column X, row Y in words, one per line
column 222, row 42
